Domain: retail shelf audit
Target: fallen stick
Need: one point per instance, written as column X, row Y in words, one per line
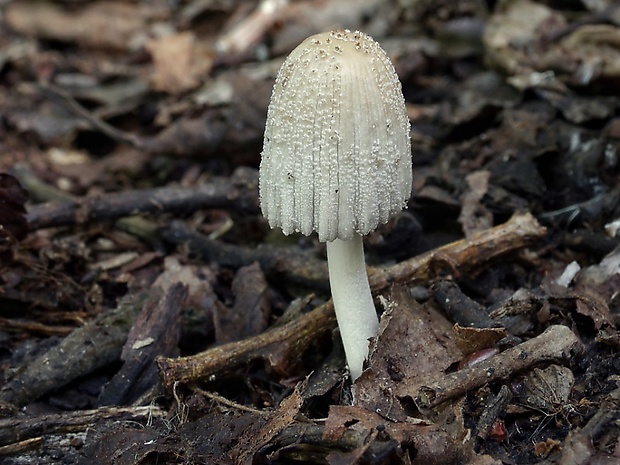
column 17, row 429
column 301, row 267
column 289, row 339
column 293, row 264
column 218, row 193
column 465, row 255
column 556, row 343
column 94, row 345
column 39, row 191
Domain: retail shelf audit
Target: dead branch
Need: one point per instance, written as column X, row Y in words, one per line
column 306, row 442
column 18, row 429
column 290, row 263
column 275, row 345
column 188, row 136
column 362, row 436
column 62, row 97
column 492, row 411
column 466, row 255
column 556, row 343
column 459, row 307
column 10, row 324
column 38, row 191
column 96, row 344
column 218, row 193
column 42, row 192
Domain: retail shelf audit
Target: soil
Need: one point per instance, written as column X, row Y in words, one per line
column 149, row 315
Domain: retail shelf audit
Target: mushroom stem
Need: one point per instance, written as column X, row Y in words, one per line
column 355, row 310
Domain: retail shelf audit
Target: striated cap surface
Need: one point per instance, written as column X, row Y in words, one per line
column 336, row 152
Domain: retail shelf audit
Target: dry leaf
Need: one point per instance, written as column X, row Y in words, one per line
column 548, row 390
column 413, row 340
column 180, row 62
column 470, row 340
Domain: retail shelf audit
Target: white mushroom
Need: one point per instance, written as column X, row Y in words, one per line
column 337, row 160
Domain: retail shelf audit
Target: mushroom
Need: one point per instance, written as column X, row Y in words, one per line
column 337, row 160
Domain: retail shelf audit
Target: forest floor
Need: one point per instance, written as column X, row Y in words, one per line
column 149, row 315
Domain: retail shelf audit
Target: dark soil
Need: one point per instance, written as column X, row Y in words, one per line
column 148, row 314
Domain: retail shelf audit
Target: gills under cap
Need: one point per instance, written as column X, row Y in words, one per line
column 336, row 154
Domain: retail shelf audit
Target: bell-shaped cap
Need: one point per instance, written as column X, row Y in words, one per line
column 336, row 153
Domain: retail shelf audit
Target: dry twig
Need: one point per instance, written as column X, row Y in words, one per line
column 18, row 429
column 556, row 343
column 218, row 193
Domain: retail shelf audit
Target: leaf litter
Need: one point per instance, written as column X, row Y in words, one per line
column 148, row 315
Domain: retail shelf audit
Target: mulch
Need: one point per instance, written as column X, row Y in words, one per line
column 149, row 315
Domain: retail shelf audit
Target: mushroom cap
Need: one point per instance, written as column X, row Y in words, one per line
column 336, row 152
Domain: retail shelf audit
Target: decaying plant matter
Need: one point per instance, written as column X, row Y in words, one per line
column 149, row 313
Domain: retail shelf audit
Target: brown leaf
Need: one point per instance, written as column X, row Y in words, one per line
column 587, row 302
column 470, row 340
column 603, row 278
column 595, row 307
column 535, row 43
column 548, row 390
column 123, row 446
column 513, row 31
column 342, row 419
column 413, row 340
column 200, row 301
column 429, row 444
column 595, row 52
column 181, row 62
